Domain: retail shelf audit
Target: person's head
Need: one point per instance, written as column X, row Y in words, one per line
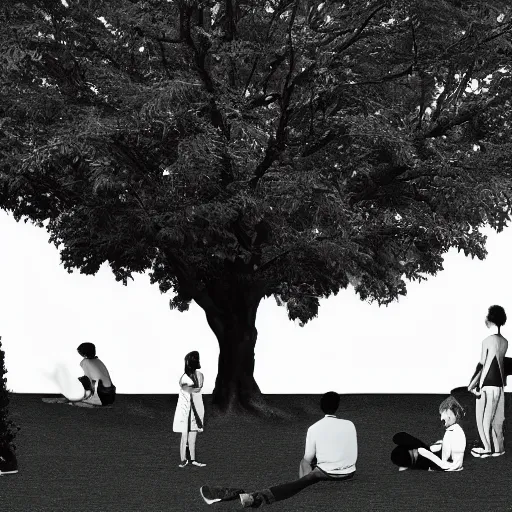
column 495, row 316
column 87, row 350
column 192, row 362
column 450, row 411
column 330, row 402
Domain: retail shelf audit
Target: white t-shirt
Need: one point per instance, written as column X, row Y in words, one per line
column 333, row 442
column 454, row 440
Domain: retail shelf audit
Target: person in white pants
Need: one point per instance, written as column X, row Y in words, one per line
column 488, row 384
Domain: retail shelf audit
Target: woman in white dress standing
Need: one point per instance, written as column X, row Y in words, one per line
column 189, row 415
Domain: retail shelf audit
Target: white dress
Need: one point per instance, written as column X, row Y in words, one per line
column 183, row 408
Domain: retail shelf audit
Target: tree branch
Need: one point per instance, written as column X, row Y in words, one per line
column 351, row 40
column 275, row 14
column 216, row 116
column 275, row 146
column 442, row 127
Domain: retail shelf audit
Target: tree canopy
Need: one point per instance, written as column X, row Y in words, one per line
column 243, row 149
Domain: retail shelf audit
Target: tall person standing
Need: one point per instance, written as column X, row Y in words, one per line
column 189, row 415
column 488, row 383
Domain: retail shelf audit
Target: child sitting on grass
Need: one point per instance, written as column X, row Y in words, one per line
column 415, row 454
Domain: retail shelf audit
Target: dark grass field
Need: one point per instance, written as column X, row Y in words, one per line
column 126, row 458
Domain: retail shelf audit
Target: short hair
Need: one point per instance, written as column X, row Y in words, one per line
column 330, row 402
column 497, row 316
column 453, row 405
column 87, row 350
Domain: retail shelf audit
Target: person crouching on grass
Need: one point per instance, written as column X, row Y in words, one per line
column 332, row 441
column 415, row 454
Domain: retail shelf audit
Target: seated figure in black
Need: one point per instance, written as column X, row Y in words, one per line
column 8, row 461
column 412, row 453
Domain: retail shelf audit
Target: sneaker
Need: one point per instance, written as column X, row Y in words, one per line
column 208, row 495
column 402, row 468
column 183, row 463
column 247, row 500
column 198, row 464
column 497, row 454
column 2, row 473
column 480, row 454
column 214, row 494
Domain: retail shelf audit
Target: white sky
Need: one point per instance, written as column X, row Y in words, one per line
column 428, row 342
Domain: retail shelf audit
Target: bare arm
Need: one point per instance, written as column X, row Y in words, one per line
column 478, row 372
column 437, row 446
column 194, row 389
column 457, row 458
column 309, row 455
column 190, row 389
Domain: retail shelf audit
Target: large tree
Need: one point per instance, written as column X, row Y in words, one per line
column 244, row 149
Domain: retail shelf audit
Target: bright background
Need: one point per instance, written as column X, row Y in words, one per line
column 428, row 342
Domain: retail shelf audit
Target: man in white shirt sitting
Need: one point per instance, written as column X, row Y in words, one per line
column 413, row 453
column 332, row 441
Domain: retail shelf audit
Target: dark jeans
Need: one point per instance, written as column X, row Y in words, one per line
column 284, row 491
column 406, row 453
column 107, row 395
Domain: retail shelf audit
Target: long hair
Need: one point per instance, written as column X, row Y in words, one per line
column 191, row 365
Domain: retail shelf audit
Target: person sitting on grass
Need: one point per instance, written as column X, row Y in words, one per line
column 98, row 386
column 332, row 441
column 8, row 461
column 415, row 454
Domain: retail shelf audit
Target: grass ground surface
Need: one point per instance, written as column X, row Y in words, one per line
column 126, row 458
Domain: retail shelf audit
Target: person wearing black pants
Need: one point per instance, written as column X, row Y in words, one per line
column 406, row 455
column 412, row 453
column 332, row 441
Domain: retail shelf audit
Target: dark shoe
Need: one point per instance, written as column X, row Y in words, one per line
column 213, row 494
column 257, row 499
column 207, row 495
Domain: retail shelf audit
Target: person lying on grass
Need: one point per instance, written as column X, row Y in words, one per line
column 332, row 441
column 415, row 454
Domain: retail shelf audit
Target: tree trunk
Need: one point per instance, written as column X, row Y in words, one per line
column 234, row 326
